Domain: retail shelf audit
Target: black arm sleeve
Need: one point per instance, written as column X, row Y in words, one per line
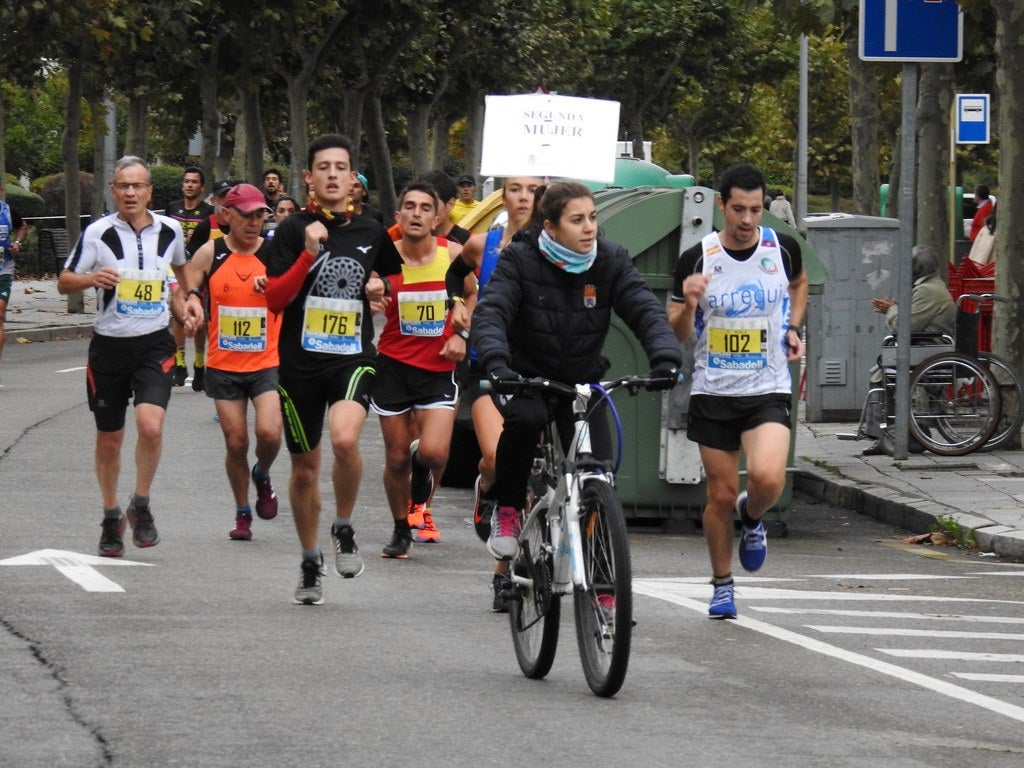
column 455, row 276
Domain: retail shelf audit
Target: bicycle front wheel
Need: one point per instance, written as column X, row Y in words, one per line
column 604, row 611
column 954, row 404
column 534, row 612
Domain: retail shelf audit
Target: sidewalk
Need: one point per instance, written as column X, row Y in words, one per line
column 983, row 492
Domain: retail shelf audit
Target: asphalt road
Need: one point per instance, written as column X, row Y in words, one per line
column 852, row 649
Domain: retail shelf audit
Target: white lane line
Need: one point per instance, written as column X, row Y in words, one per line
column 665, row 592
column 983, row 678
column 924, row 653
column 886, row 576
column 71, row 370
column 836, row 630
column 890, row 615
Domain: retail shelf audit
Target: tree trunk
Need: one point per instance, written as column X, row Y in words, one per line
column 693, row 152
column 418, row 137
column 211, row 116
column 69, row 151
column 380, row 156
column 352, row 121
column 136, row 140
column 892, row 201
column 3, row 132
column 474, row 135
column 98, row 109
column 439, row 148
column 298, row 92
column 864, row 122
column 636, row 131
column 935, row 97
column 253, row 140
column 1008, row 327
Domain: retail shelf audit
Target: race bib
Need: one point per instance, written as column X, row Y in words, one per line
column 242, row 329
column 738, row 343
column 140, row 293
column 422, row 313
column 334, row 326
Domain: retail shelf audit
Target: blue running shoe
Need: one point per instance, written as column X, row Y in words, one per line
column 722, row 605
column 753, row 541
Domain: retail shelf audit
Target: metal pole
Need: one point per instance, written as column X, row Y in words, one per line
column 908, row 182
column 801, row 141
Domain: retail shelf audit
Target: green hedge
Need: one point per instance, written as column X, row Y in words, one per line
column 27, row 204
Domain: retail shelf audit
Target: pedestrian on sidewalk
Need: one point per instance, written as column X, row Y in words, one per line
column 13, row 229
column 125, row 257
column 742, row 293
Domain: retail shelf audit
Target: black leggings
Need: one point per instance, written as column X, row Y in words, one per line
column 525, row 416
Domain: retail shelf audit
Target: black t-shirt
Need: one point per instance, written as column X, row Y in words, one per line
column 189, row 218
column 202, row 234
column 352, row 251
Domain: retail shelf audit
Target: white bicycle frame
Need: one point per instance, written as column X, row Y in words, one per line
column 563, row 506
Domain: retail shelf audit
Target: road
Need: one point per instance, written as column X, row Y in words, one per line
column 852, row 649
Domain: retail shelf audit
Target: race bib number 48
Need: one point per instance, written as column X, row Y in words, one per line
column 140, row 293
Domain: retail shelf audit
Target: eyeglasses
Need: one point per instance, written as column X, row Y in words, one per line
column 124, row 186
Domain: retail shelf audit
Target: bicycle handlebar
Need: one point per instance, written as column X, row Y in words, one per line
column 632, row 384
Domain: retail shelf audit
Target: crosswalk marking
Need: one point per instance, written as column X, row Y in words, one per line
column 890, row 614
column 926, row 653
column 984, row 678
column 889, row 631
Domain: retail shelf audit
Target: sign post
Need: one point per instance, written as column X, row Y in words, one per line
column 909, row 31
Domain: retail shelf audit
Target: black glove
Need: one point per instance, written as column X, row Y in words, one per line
column 503, row 373
column 663, row 376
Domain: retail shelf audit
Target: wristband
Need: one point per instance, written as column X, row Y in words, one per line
column 793, row 328
column 197, row 293
column 463, row 332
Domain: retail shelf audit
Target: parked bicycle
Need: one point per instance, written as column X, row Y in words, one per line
column 573, row 541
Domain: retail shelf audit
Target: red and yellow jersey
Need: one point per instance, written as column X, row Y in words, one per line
column 242, row 332
column 416, row 324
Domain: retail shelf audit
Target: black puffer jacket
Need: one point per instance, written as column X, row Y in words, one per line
column 539, row 320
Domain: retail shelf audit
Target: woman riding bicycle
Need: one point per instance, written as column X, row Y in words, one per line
column 546, row 312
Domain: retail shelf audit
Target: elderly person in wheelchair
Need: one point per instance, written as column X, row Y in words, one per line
column 932, row 310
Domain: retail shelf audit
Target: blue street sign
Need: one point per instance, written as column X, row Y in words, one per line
column 972, row 118
column 911, row 30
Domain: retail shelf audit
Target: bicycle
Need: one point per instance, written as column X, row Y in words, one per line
column 573, row 541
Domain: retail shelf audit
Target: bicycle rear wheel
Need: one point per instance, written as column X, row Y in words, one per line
column 534, row 612
column 1011, row 400
column 954, row 404
column 604, row 612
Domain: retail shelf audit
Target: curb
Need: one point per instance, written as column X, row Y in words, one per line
column 911, row 513
column 57, row 333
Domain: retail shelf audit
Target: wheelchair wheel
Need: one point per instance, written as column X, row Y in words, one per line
column 1011, row 399
column 954, row 404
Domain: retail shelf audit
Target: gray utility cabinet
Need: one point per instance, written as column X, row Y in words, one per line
column 843, row 332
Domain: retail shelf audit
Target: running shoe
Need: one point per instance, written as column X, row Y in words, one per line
column 401, row 543
column 416, row 514
column 722, row 604
column 266, row 499
column 753, row 541
column 310, row 591
column 427, row 533
column 112, row 537
column 144, row 533
column 180, row 374
column 501, row 585
column 199, row 378
column 606, row 603
column 482, row 511
column 347, row 562
column 243, row 528
column 421, row 482
column 503, row 543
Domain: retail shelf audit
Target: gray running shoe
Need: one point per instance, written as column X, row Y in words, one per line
column 144, row 533
column 112, row 537
column 347, row 562
column 503, row 543
column 310, row 591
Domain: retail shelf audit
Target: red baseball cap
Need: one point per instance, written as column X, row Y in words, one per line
column 245, row 198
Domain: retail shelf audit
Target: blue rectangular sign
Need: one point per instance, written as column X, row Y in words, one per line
column 911, row 30
column 972, row 118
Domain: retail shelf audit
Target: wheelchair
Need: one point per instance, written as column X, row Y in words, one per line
column 961, row 399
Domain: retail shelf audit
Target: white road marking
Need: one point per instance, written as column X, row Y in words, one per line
column 983, row 678
column 669, row 591
column 890, row 614
column 927, row 653
column 77, row 567
column 71, row 370
column 825, row 629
